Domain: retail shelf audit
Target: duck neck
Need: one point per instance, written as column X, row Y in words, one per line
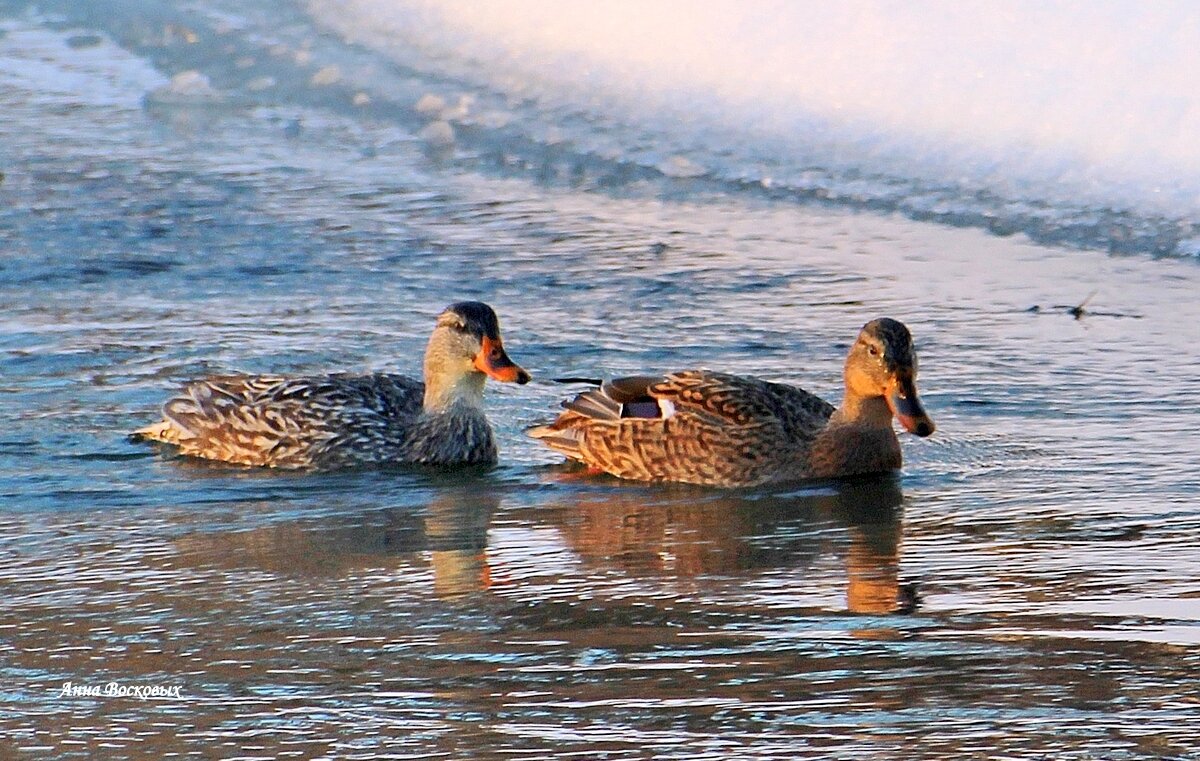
column 441, row 392
column 450, row 381
column 866, row 411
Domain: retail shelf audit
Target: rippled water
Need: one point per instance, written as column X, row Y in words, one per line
column 1027, row 588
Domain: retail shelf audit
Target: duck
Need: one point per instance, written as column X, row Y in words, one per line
column 344, row 420
column 719, row 429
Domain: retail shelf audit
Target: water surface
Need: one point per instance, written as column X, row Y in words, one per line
column 1026, row 588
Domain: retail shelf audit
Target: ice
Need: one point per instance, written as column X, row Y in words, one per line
column 1092, row 102
column 439, row 134
column 186, row 87
column 327, row 75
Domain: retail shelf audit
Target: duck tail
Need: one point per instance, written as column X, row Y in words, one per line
column 562, row 440
column 183, row 416
column 164, row 431
column 595, row 405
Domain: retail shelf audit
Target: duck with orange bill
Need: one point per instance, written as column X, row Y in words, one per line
column 717, row 429
column 345, row 420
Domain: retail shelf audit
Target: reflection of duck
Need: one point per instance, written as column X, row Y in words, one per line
column 691, row 533
column 456, row 529
column 343, row 420
column 452, row 529
column 712, row 428
column 873, row 567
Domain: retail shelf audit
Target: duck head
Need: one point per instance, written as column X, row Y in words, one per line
column 464, row 350
column 882, row 364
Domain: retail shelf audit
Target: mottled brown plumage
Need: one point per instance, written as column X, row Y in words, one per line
column 342, row 420
column 704, row 427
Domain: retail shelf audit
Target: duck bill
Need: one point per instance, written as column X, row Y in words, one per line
column 906, row 406
column 493, row 361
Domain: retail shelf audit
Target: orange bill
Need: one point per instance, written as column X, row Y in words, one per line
column 494, row 362
column 906, row 406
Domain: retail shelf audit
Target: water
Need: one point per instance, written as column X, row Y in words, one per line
column 1026, row 588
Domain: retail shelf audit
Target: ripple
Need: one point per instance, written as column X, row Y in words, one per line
column 1025, row 587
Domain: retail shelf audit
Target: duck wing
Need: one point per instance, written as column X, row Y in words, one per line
column 694, row 426
column 284, row 422
column 744, row 401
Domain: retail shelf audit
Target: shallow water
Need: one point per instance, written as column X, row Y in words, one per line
column 1026, row 588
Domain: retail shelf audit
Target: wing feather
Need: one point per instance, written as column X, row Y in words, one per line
column 724, row 429
column 282, row 422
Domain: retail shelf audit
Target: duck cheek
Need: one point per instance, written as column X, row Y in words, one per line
column 902, row 399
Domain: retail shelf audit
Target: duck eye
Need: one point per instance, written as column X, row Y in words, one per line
column 873, row 351
column 495, row 352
